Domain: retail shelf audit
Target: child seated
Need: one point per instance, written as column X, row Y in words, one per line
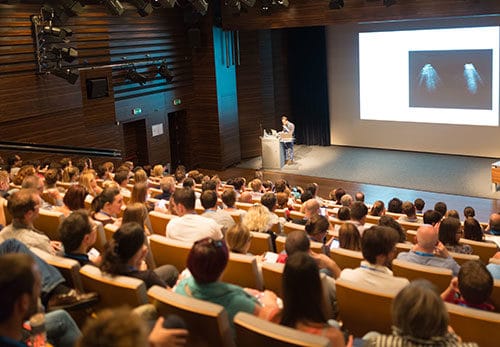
column 472, row 288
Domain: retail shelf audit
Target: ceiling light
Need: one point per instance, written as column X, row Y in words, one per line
column 336, row 4
column 114, row 7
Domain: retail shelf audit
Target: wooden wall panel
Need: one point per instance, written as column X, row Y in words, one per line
column 316, row 13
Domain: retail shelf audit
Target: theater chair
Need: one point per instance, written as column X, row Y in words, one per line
column 69, row 268
column 167, row 251
column 272, row 275
column 461, row 258
column 109, row 230
column 159, row 222
column 474, row 325
column 48, row 222
column 485, row 250
column 363, row 309
column 252, row 331
column 316, row 247
column 260, row 244
column 440, row 277
column 495, row 295
column 288, row 227
column 207, row 323
column 346, row 258
column 242, row 270
column 113, row 291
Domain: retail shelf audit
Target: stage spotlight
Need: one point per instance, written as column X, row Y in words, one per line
column 200, row 5
column 165, row 72
column 136, row 77
column 68, row 54
column 163, row 3
column 143, row 8
column 114, row 7
column 282, row 3
column 69, row 75
column 388, row 3
column 58, row 32
column 336, row 4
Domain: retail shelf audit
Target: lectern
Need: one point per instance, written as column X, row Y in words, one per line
column 273, row 154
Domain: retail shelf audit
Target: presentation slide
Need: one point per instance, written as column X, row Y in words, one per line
column 445, row 76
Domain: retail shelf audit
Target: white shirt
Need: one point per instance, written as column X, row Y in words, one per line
column 192, row 227
column 375, row 276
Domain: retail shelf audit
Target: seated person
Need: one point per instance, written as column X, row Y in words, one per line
column 122, row 327
column 472, row 287
column 107, row 206
column 430, row 251
column 450, row 231
column 206, row 262
column 78, row 234
column 303, row 307
column 378, row 209
column 317, row 229
column 473, row 229
column 349, row 237
column 73, row 200
column 390, row 222
column 494, row 268
column 125, row 253
column 238, row 239
column 419, row 318
column 410, row 213
column 257, row 220
column 209, row 202
column 494, row 224
column 20, row 286
column 378, row 245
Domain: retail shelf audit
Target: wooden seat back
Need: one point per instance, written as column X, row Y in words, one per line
column 168, row 251
column 207, row 322
column 69, row 268
column 461, row 258
column 48, row 222
column 272, row 275
column 159, row 222
column 242, row 269
column 252, row 331
column 288, row 227
column 441, row 277
column 485, row 250
column 474, row 325
column 113, row 290
column 261, row 243
column 345, row 258
column 363, row 309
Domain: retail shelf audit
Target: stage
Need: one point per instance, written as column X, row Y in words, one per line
column 439, row 173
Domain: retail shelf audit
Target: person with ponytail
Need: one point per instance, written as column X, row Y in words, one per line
column 124, row 255
column 106, row 207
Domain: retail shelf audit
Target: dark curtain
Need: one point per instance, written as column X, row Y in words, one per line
column 308, row 85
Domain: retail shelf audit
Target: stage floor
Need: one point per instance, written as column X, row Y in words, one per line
column 449, row 174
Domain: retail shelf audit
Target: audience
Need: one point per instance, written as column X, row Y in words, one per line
column 223, row 218
column 410, row 213
column 358, row 216
column 349, row 237
column 441, row 208
column 395, row 205
column 107, row 206
column 473, row 230
column 78, row 234
column 494, row 224
column 392, row 223
column 378, row 209
column 419, row 205
column 239, row 239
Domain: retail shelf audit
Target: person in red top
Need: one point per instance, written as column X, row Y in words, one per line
column 472, row 288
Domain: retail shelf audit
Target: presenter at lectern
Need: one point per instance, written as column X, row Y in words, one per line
column 287, row 138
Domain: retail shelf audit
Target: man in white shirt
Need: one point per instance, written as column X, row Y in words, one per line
column 378, row 246
column 190, row 227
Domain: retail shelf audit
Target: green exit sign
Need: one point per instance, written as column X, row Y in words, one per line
column 137, row 111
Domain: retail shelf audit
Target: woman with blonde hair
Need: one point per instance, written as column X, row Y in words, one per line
column 87, row 179
column 70, row 174
column 258, row 219
column 157, row 171
column 238, row 239
column 140, row 176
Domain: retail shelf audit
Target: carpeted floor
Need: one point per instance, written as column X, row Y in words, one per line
column 451, row 174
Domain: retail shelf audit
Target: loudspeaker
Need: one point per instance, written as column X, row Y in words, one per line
column 97, row 88
column 194, row 37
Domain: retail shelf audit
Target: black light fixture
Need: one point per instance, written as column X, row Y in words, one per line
column 249, row 3
column 388, row 3
column 71, row 7
column 57, row 32
column 163, row 3
column 165, row 72
column 336, row 4
column 143, row 8
column 68, row 54
column 200, row 5
column 136, row 77
column 65, row 73
column 233, row 5
column 114, row 7
column 281, row 3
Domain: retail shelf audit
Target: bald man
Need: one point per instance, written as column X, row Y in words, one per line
column 310, row 208
column 494, row 224
column 430, row 251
